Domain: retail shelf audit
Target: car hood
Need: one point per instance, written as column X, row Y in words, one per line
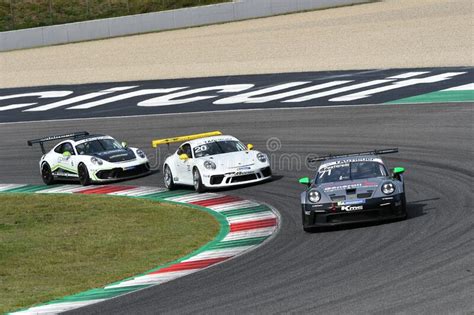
column 362, row 187
column 118, row 155
column 233, row 160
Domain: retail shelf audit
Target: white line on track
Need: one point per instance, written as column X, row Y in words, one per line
column 234, row 205
column 153, row 278
column 203, row 112
column 4, row 187
column 57, row 307
column 139, row 191
column 194, row 197
column 249, row 234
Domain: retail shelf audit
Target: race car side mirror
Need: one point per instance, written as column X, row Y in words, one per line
column 124, row 144
column 305, row 181
column 67, row 154
column 183, row 157
column 249, row 146
column 398, row 170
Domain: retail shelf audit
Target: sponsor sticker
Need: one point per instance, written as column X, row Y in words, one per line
column 244, row 168
column 341, row 187
column 243, row 173
column 351, row 208
column 351, row 202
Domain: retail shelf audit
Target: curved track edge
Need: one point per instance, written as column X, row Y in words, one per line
column 244, row 226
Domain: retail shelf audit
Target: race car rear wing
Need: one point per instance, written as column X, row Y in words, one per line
column 374, row 152
column 41, row 141
column 158, row 142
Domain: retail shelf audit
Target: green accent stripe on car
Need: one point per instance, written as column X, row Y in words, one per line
column 58, row 166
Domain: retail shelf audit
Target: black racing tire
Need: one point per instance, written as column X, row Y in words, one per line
column 197, row 181
column 404, row 207
column 168, row 178
column 47, row 174
column 83, row 174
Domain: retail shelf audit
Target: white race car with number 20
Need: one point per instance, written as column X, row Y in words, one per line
column 213, row 160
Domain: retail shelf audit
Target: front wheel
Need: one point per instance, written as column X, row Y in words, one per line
column 197, row 182
column 46, row 174
column 168, row 178
column 83, row 173
column 404, row 207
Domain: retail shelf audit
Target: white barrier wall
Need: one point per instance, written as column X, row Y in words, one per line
column 159, row 21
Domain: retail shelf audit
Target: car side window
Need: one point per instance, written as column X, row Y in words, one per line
column 64, row 147
column 68, row 147
column 58, row 149
column 185, row 149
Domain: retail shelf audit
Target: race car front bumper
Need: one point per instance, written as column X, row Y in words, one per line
column 233, row 179
column 332, row 214
column 119, row 173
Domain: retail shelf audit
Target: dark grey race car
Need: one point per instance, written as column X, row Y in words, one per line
column 353, row 188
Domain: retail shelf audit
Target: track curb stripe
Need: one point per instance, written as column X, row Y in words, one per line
column 244, row 225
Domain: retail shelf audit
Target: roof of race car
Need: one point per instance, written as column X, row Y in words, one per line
column 343, row 160
column 205, row 140
column 82, row 139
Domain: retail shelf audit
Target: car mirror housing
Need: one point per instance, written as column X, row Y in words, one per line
column 398, row 170
column 305, row 181
column 249, row 146
column 66, row 154
column 183, row 157
column 124, row 144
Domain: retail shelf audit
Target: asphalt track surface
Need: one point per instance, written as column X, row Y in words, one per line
column 424, row 264
column 204, row 94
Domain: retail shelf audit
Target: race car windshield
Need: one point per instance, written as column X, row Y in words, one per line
column 97, row 146
column 350, row 171
column 218, row 147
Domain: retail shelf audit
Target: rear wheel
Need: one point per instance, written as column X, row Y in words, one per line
column 46, row 174
column 197, row 182
column 168, row 178
column 83, row 173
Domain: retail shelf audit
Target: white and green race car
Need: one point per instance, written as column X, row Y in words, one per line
column 89, row 159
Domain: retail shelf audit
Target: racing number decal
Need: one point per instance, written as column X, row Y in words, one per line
column 200, row 148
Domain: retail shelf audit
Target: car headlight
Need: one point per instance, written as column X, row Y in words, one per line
column 262, row 157
column 314, row 196
column 141, row 154
column 210, row 165
column 97, row 161
column 388, row 188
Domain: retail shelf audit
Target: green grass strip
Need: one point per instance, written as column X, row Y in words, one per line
column 97, row 294
column 29, row 189
column 243, row 211
column 166, row 194
column 237, row 243
column 216, row 243
column 438, row 97
column 102, row 293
